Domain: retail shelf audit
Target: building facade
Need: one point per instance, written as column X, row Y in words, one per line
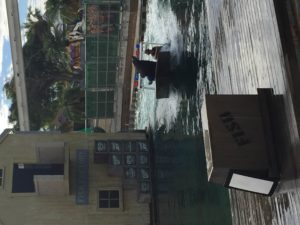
column 74, row 178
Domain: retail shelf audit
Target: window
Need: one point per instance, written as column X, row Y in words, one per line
column 1, row 177
column 109, row 199
column 101, row 152
column 23, row 175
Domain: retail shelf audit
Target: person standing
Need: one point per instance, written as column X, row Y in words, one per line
column 154, row 52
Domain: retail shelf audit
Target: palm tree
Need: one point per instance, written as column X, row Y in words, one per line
column 53, row 8
column 65, row 9
column 46, row 67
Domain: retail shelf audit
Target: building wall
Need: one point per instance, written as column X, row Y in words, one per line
column 34, row 209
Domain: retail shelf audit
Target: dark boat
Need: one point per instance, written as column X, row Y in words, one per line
column 159, row 71
column 163, row 75
column 167, row 72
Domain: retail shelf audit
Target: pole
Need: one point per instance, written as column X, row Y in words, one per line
column 18, row 62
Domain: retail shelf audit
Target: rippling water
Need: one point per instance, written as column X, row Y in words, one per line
column 185, row 31
column 245, row 54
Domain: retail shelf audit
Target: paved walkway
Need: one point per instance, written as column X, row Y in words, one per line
column 288, row 18
column 127, row 87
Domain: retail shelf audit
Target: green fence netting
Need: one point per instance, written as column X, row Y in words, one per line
column 102, row 43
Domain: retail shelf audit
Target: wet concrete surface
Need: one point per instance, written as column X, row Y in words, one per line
column 127, row 86
column 254, row 45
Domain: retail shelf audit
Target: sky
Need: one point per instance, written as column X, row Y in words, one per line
column 5, row 53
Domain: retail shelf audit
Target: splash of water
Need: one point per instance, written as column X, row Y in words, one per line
column 162, row 28
column 167, row 110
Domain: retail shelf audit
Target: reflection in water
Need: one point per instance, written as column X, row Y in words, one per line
column 186, row 74
column 182, row 193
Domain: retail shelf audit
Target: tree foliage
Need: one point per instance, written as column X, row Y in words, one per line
column 47, row 70
column 62, row 9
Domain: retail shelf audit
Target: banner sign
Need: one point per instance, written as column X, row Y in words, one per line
column 136, row 76
column 82, row 177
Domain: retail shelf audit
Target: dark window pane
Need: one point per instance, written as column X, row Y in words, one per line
column 145, row 187
column 100, row 147
column 130, row 146
column 103, row 204
column 114, row 194
column 114, row 203
column 143, row 159
column 103, row 195
column 142, row 146
column 116, row 160
column 23, row 175
column 101, row 158
column 116, row 146
column 130, row 173
column 1, row 173
column 109, row 199
column 144, row 173
column 130, row 159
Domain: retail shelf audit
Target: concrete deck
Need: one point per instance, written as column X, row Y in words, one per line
column 255, row 44
column 288, row 18
column 133, row 32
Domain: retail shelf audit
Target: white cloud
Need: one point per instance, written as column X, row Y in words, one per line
column 4, row 113
column 9, row 72
column 4, row 35
column 23, row 36
column 5, row 103
column 7, row 75
column 39, row 4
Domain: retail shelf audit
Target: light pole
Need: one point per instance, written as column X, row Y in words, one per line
column 18, row 62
